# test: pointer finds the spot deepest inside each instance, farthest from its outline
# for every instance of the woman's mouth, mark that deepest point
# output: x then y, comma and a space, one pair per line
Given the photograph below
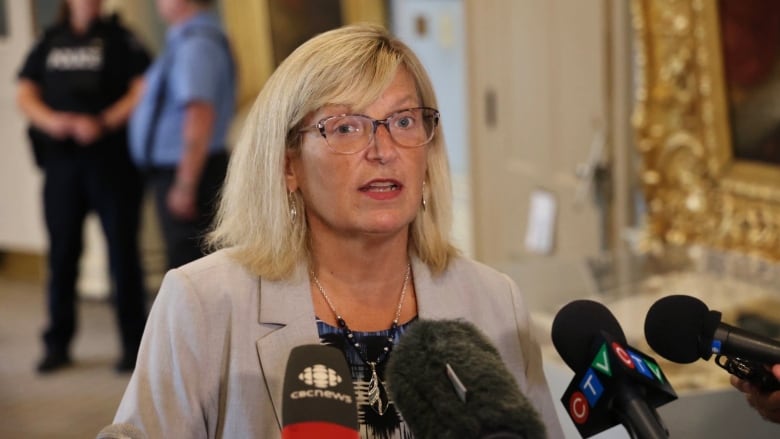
381, 186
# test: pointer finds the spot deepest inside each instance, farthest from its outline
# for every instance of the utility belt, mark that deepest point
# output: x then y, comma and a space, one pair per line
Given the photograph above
46, 149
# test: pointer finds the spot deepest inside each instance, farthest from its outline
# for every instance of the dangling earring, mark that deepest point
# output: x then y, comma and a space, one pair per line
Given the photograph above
293, 209
424, 201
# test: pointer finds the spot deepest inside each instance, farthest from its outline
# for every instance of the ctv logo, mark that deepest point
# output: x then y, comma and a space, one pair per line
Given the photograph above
591, 388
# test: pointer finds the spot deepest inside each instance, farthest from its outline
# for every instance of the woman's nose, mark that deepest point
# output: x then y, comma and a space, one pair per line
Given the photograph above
383, 146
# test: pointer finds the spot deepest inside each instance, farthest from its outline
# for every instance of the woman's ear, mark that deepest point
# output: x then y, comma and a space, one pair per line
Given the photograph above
290, 176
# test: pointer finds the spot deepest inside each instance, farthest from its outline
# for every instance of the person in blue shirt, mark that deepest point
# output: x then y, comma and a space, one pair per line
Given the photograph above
178, 131
77, 88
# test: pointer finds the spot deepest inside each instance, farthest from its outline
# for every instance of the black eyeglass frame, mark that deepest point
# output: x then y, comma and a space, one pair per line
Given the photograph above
320, 126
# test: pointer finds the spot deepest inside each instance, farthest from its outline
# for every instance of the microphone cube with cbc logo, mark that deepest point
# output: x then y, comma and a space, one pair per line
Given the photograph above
615, 366
319, 397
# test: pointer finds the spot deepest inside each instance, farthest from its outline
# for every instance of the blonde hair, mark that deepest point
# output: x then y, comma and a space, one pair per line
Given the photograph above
350, 65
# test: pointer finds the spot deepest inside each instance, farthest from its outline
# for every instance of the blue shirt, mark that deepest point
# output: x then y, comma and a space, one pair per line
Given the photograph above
196, 65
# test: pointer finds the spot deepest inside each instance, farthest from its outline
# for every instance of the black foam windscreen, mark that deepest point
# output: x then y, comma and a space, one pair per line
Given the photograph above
448, 381
319, 397
614, 383
575, 327
680, 328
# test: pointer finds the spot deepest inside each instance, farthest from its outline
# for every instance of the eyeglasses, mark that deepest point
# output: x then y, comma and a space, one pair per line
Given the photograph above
351, 133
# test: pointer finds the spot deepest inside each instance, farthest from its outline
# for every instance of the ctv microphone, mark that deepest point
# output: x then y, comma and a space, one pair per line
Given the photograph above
682, 329
448, 381
120, 431
613, 383
319, 398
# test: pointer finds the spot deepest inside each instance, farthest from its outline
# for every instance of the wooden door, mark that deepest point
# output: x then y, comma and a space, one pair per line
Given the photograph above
539, 120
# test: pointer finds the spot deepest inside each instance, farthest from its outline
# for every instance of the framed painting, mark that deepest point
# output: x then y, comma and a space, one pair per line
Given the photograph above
709, 146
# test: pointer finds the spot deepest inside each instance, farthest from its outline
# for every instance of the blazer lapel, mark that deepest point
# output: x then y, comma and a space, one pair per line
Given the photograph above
286, 316
435, 298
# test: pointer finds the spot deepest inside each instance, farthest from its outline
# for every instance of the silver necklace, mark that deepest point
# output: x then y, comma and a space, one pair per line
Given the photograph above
377, 395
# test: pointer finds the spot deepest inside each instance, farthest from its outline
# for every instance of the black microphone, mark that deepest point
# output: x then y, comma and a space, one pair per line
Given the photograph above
683, 329
319, 397
120, 431
614, 383
448, 381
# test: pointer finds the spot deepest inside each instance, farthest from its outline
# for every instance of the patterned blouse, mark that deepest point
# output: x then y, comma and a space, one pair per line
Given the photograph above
390, 425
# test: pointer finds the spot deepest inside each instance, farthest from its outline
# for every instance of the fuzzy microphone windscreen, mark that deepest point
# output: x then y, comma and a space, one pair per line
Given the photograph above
431, 398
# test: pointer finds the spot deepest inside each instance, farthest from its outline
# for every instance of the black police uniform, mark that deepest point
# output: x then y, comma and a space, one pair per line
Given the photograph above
87, 73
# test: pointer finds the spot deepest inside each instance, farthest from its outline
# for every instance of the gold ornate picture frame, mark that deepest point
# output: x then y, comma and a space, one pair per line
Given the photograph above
696, 191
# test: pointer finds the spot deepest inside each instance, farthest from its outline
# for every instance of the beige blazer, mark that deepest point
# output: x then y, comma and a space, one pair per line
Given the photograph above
215, 348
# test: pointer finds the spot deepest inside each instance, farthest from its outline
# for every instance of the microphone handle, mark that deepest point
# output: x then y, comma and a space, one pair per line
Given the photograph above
740, 343
642, 421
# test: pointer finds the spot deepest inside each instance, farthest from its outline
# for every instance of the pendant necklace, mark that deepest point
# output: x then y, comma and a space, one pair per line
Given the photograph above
377, 398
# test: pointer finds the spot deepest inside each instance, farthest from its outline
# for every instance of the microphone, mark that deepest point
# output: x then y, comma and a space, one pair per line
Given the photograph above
614, 383
448, 381
120, 431
683, 329
318, 399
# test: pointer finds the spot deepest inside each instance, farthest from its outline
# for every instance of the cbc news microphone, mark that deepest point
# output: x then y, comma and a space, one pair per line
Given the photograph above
613, 382
120, 431
319, 398
683, 329
448, 381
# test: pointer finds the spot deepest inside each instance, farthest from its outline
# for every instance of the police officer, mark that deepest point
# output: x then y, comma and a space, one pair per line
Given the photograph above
78, 86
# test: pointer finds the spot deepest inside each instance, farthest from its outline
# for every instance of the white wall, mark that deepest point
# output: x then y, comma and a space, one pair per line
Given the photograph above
21, 219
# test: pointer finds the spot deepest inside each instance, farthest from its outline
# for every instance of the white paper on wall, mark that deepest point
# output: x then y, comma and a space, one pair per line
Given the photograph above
540, 231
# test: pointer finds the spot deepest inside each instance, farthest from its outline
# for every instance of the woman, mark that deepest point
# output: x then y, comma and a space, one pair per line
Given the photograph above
77, 87
334, 222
